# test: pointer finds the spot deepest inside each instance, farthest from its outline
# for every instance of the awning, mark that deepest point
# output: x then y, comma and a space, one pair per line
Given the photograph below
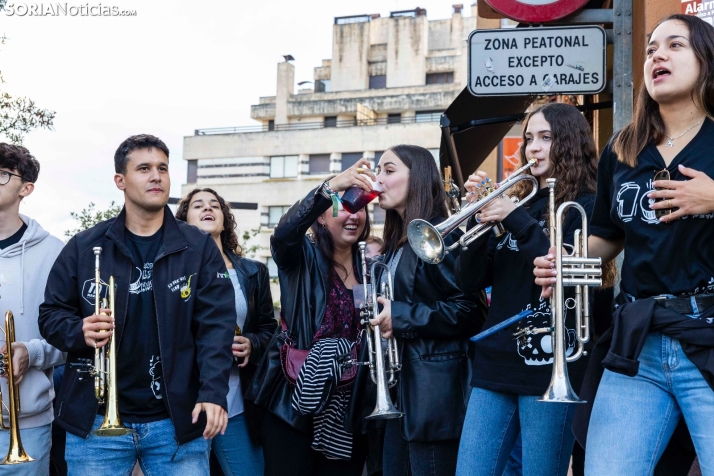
471, 127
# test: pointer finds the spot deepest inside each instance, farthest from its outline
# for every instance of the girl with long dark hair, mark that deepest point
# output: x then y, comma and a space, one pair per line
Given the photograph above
317, 273
655, 200
509, 375
237, 450
431, 319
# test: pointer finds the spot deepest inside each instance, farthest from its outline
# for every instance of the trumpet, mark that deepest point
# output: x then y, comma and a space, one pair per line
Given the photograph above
383, 377
16, 453
105, 365
574, 270
427, 240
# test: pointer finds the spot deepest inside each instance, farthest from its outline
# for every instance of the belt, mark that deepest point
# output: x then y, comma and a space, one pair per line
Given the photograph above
684, 304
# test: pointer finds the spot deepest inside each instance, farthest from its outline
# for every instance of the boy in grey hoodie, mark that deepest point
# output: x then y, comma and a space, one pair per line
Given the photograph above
27, 253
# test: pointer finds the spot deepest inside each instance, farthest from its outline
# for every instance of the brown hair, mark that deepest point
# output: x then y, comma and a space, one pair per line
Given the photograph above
572, 152
647, 124
375, 239
425, 199
229, 238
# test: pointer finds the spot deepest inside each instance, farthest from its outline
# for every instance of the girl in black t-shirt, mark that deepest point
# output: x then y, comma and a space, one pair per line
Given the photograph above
510, 375
655, 200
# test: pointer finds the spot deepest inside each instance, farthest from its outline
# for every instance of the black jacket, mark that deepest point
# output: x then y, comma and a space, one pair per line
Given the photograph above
304, 272
259, 326
432, 321
195, 307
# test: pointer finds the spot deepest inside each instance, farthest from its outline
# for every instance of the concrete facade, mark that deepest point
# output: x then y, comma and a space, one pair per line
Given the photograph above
377, 90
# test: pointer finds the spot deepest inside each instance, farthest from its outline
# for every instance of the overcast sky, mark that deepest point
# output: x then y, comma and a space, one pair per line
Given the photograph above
174, 67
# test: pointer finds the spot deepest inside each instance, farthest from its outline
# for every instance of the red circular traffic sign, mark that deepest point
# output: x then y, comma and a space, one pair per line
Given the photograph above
536, 11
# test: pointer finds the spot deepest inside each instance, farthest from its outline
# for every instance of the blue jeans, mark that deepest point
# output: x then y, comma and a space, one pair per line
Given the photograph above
235, 451
37, 443
493, 422
153, 444
633, 418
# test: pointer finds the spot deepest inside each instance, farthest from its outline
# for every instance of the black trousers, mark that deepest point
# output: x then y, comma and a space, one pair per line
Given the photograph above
403, 458
288, 452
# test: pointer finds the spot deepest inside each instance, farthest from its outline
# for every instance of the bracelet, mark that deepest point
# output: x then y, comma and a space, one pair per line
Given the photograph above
330, 194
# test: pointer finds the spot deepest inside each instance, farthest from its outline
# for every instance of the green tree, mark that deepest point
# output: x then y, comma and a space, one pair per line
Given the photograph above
89, 217
251, 250
20, 115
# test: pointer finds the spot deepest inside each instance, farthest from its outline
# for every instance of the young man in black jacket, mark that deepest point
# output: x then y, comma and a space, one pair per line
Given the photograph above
173, 326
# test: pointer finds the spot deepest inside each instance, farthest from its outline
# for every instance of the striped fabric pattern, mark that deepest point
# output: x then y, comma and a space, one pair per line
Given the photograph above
316, 395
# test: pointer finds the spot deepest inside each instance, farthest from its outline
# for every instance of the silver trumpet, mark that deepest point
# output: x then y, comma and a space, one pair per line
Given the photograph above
427, 240
383, 377
574, 270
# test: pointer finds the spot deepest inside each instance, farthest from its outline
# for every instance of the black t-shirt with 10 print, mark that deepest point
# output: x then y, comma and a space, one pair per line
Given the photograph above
140, 382
660, 258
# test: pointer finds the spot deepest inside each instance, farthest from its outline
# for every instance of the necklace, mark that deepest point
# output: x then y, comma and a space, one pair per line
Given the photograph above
670, 142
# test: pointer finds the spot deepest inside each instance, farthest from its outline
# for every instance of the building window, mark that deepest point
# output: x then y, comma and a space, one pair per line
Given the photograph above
319, 164
322, 86
440, 78
349, 159
394, 118
275, 213
428, 116
284, 166
378, 215
377, 156
192, 171
330, 121
272, 268
378, 82
271, 125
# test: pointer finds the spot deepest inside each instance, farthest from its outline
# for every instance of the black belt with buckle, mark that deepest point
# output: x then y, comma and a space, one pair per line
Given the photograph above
683, 304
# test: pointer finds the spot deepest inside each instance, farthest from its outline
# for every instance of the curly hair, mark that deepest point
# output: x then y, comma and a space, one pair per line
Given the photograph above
229, 238
16, 157
574, 158
573, 154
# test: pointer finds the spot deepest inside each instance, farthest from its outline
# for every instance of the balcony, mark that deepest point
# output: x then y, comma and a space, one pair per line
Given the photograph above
298, 126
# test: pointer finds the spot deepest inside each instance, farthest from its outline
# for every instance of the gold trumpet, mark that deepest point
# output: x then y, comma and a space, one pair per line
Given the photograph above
15, 453
105, 365
427, 240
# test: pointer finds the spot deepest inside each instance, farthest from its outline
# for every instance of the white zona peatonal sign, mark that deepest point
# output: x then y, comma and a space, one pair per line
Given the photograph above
513, 61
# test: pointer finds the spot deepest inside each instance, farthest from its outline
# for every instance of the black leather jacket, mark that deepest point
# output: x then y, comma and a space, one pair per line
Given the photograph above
259, 327
304, 272
260, 322
432, 321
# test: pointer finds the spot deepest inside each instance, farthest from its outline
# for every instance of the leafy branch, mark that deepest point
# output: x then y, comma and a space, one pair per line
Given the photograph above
90, 217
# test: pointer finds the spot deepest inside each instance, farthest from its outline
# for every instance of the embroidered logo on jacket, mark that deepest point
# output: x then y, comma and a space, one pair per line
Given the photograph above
183, 286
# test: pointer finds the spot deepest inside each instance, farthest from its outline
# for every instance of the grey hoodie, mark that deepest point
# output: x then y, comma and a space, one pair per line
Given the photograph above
24, 268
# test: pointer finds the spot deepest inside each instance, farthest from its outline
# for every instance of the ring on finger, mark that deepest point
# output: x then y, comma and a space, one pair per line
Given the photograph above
669, 203
360, 170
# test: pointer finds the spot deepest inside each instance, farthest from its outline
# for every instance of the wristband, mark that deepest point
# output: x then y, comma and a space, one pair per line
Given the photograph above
330, 194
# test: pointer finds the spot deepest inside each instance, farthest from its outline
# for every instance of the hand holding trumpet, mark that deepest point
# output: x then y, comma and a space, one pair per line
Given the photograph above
98, 328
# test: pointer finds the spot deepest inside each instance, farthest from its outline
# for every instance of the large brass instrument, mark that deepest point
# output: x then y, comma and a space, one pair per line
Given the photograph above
105, 366
15, 453
574, 270
381, 376
427, 240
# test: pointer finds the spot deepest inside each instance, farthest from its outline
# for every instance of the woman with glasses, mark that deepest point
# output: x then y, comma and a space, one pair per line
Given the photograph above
655, 200
509, 375
431, 319
237, 450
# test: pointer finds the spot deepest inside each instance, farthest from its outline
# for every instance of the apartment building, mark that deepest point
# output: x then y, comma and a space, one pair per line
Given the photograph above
387, 83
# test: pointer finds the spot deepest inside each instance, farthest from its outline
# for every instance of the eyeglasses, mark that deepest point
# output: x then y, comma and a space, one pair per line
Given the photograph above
661, 175
6, 176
